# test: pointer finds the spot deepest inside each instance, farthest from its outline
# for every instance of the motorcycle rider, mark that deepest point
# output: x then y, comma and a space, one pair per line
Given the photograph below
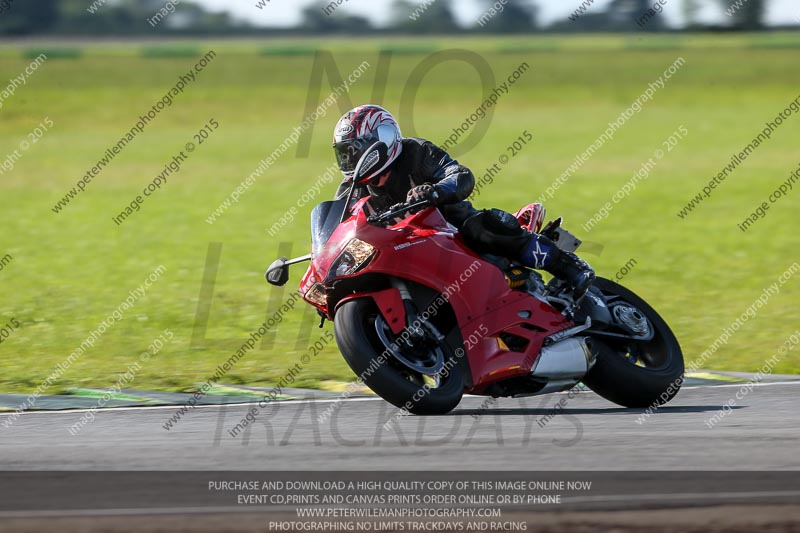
419, 170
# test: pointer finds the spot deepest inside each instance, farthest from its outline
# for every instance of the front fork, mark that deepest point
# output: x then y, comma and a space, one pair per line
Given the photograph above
415, 324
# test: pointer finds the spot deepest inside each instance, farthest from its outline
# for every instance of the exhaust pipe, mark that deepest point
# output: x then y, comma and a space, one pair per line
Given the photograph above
568, 359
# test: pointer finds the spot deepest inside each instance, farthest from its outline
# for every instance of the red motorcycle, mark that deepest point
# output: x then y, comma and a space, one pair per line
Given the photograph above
422, 319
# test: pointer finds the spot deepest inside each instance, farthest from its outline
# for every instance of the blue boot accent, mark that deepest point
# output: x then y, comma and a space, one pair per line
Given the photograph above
542, 254
539, 253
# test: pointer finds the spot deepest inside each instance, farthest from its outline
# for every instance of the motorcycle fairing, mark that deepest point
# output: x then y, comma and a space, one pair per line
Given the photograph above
476, 290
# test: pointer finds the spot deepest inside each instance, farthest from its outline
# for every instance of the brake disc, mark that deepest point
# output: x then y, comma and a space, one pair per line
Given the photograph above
433, 365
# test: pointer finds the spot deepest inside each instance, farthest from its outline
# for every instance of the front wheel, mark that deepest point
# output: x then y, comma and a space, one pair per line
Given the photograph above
635, 373
361, 337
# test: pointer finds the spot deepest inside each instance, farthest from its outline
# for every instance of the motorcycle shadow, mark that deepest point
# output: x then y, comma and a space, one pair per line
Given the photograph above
526, 411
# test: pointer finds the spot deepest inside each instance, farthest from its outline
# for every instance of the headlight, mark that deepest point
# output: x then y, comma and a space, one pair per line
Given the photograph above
356, 254
316, 295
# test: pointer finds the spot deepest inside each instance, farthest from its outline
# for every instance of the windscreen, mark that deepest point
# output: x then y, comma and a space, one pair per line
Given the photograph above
324, 219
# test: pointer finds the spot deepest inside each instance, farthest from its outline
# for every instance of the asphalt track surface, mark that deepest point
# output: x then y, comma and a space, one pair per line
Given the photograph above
761, 432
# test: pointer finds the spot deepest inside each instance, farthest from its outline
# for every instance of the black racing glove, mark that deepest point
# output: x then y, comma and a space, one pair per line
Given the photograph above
425, 192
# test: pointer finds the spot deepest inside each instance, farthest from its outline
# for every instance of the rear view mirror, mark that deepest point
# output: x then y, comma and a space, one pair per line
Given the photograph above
278, 273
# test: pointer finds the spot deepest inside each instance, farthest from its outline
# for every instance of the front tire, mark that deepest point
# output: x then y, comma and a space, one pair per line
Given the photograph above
636, 374
365, 353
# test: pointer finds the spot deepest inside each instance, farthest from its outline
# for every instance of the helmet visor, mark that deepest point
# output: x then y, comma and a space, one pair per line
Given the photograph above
347, 155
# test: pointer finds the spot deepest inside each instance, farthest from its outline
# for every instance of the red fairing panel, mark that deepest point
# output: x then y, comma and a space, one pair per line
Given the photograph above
390, 305
425, 249
478, 292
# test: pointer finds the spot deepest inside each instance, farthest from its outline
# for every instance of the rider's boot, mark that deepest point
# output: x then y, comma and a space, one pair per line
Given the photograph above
542, 253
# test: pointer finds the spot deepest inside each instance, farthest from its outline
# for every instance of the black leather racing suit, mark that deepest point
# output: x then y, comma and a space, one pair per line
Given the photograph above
488, 231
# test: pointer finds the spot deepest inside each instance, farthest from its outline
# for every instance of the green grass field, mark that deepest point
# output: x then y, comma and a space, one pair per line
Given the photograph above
69, 271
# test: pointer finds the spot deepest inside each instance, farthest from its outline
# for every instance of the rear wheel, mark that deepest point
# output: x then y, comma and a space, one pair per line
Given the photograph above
424, 380
635, 372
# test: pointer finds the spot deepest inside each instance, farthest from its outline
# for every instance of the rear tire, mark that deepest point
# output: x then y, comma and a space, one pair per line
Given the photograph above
354, 327
617, 379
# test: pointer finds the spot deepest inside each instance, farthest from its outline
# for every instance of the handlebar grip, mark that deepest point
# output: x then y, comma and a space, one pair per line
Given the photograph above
395, 210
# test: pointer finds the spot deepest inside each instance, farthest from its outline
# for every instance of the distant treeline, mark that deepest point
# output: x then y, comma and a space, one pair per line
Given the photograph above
179, 17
